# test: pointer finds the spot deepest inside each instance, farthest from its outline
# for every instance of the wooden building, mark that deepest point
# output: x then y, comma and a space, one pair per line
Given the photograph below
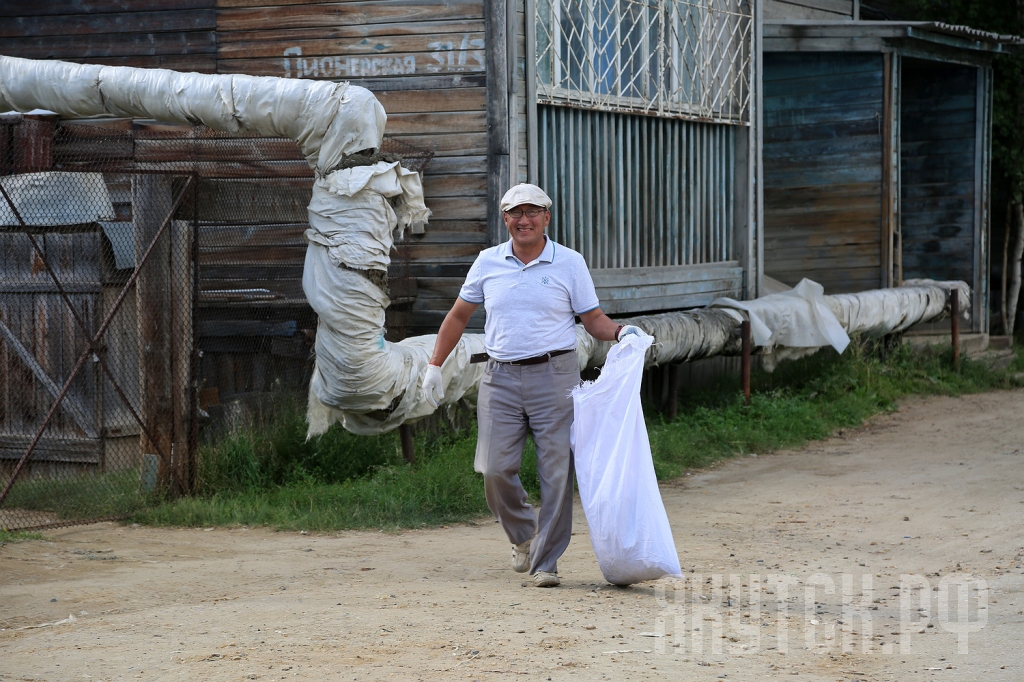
876, 149
637, 119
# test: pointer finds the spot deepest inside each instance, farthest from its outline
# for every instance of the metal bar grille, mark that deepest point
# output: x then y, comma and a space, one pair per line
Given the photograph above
638, 191
677, 58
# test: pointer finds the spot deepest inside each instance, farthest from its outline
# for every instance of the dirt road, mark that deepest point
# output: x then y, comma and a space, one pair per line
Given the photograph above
892, 552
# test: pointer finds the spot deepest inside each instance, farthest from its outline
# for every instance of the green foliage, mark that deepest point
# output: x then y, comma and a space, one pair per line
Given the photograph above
347, 481
81, 497
996, 16
441, 487
808, 399
272, 476
261, 457
17, 536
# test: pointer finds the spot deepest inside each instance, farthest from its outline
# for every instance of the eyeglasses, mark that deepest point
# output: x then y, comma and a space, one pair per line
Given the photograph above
532, 213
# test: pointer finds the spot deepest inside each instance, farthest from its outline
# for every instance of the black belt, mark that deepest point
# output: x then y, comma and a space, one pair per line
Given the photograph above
536, 360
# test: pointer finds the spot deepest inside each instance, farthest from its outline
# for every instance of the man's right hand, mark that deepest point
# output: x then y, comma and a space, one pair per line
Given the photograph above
433, 386
630, 329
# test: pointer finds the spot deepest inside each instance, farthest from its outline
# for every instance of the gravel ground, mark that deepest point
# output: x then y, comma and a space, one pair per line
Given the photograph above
890, 552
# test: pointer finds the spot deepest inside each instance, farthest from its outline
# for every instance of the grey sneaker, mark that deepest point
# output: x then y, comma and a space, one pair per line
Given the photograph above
521, 557
545, 579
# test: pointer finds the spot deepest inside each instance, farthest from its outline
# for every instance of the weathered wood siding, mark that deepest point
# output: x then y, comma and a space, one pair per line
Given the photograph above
809, 9
938, 148
41, 341
520, 117
170, 34
425, 62
823, 123
424, 59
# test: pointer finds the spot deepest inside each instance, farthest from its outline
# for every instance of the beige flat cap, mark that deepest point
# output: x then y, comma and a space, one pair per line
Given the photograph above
525, 193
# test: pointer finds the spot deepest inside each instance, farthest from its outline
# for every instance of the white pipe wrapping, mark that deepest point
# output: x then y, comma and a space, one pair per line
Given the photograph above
368, 384
707, 332
353, 213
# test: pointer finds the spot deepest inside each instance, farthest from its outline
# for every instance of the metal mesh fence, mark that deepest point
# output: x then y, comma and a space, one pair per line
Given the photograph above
150, 292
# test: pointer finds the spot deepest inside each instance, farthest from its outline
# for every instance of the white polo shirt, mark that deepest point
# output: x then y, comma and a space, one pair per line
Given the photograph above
530, 308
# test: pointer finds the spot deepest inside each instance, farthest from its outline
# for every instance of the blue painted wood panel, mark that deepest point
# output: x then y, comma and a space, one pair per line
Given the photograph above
937, 150
823, 115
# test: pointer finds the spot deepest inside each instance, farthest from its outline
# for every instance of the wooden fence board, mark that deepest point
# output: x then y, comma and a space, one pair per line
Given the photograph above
332, 14
473, 208
71, 450
112, 45
356, 67
259, 43
220, 150
434, 123
428, 44
449, 144
433, 101
267, 235
436, 186
811, 149
91, 24
25, 8
254, 255
199, 63
471, 164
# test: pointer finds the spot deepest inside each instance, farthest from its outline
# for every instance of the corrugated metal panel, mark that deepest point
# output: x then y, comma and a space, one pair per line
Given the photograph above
823, 156
638, 191
938, 145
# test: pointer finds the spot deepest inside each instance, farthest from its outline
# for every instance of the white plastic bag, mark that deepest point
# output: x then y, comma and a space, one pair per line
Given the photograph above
628, 525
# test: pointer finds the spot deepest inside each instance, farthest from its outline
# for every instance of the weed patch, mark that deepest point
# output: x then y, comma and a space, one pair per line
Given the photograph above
272, 476
7, 536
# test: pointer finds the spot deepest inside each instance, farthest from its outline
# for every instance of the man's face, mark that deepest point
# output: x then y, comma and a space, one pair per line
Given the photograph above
527, 231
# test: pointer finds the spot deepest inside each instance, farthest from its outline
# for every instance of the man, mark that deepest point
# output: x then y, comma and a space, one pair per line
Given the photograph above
532, 289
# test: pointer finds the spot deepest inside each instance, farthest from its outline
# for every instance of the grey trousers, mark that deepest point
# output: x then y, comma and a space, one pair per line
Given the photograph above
514, 399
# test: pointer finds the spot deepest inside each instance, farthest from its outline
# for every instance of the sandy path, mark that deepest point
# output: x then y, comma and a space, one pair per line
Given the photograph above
933, 493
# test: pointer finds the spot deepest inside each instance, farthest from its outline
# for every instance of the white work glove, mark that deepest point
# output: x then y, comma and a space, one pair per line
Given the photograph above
433, 386
630, 329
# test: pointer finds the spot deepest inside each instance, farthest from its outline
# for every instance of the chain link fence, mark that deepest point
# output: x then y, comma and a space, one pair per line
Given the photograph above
150, 299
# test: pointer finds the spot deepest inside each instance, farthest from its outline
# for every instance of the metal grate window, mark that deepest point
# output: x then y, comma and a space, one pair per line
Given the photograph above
639, 191
689, 58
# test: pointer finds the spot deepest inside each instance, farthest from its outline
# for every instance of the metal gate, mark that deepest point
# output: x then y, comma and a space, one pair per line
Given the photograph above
150, 284
97, 298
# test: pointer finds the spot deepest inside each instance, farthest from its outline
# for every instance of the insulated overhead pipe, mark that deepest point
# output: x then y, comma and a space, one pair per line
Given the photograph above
367, 383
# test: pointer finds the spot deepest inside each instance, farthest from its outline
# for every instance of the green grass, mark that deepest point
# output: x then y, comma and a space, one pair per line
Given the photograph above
809, 399
265, 457
269, 474
81, 497
17, 536
273, 477
440, 488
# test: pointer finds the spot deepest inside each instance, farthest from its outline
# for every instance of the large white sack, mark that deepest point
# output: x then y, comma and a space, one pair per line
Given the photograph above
628, 525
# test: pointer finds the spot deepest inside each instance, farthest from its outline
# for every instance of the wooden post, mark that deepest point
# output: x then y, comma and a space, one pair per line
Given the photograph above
673, 391
182, 297
891, 273
954, 325
408, 450
498, 171
151, 199
33, 143
745, 361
